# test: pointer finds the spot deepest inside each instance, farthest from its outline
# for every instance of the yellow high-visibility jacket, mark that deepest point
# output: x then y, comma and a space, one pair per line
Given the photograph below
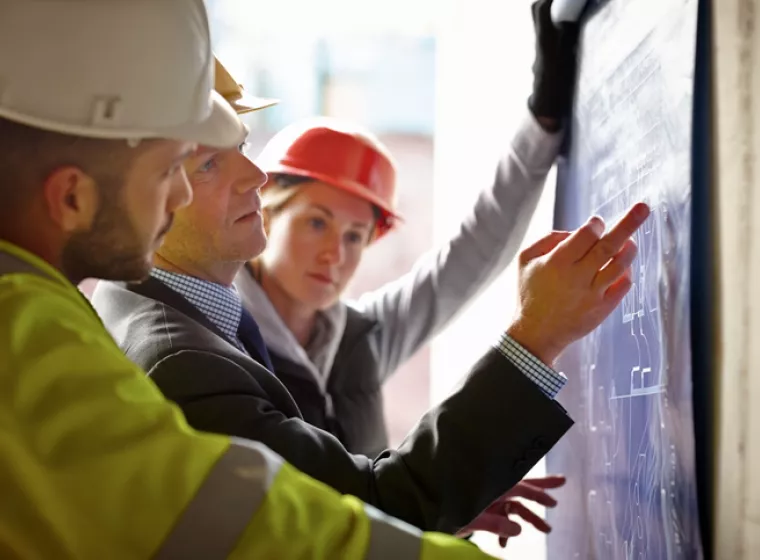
95, 463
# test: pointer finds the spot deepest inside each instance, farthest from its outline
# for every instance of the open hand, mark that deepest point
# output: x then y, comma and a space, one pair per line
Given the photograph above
496, 517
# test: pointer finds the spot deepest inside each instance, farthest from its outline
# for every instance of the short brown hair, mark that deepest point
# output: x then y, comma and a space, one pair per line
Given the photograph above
28, 155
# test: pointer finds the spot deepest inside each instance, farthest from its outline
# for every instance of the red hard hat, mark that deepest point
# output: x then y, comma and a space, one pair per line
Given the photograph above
339, 154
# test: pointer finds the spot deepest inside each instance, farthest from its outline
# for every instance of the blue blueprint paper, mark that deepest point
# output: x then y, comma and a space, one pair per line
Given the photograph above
630, 458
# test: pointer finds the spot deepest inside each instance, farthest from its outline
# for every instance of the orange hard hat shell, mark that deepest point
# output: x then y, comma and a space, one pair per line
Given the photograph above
340, 155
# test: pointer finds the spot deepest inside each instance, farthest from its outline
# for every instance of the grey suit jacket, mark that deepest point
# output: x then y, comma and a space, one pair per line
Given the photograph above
462, 455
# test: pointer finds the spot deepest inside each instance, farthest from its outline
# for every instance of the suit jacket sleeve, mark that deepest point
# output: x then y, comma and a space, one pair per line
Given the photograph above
463, 454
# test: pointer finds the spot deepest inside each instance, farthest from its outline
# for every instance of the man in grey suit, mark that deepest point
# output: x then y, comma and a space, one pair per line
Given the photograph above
186, 327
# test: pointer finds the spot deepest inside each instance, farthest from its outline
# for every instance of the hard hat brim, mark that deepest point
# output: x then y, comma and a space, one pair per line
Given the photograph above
248, 103
221, 129
352, 187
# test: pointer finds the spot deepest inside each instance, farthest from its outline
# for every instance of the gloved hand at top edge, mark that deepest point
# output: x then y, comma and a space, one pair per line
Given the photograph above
555, 63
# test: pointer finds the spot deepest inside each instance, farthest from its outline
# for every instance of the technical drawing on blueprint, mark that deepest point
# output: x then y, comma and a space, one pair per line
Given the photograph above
630, 458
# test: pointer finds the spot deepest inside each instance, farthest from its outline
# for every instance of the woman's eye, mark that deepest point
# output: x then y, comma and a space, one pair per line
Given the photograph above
355, 237
317, 223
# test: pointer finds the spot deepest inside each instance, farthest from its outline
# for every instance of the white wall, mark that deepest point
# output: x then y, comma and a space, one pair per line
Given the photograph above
332, 17
736, 154
485, 52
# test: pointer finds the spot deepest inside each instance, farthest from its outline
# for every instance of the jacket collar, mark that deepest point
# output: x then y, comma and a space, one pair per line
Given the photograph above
281, 341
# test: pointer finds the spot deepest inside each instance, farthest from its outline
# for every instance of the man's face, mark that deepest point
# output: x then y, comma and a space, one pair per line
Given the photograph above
134, 214
223, 224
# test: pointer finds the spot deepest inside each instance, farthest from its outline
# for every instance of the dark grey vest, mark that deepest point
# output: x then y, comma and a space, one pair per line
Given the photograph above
352, 408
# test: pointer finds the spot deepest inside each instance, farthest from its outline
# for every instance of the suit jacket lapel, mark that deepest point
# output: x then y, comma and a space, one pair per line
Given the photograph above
254, 353
157, 290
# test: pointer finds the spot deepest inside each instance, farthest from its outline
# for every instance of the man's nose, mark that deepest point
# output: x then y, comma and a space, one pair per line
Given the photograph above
254, 178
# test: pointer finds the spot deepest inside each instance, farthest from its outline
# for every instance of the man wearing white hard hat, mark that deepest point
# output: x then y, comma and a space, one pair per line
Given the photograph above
100, 104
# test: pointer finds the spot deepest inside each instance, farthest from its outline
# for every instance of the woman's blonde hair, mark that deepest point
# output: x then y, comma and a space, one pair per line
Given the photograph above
281, 188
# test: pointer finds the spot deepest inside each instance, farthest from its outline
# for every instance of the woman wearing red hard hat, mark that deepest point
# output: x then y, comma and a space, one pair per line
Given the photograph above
331, 192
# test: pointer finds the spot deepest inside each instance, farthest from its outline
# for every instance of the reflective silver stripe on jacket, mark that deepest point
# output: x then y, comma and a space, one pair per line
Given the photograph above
391, 538
213, 523
220, 512
215, 520
11, 264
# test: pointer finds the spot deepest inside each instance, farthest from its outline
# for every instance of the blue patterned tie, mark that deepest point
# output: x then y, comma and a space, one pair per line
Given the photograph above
250, 335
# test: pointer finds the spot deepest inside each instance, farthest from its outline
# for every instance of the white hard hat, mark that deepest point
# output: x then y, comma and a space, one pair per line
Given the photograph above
113, 69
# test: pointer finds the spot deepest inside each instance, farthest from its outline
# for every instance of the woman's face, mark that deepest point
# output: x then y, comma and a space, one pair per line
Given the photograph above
316, 241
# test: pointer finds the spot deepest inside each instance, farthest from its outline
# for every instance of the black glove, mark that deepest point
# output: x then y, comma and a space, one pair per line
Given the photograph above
555, 64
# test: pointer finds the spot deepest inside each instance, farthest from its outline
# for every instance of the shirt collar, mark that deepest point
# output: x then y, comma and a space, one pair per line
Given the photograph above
220, 304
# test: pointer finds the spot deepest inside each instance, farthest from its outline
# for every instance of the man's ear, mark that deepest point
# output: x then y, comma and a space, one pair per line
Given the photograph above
72, 199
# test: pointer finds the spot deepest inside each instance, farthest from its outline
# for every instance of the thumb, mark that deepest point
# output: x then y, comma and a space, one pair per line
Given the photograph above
543, 246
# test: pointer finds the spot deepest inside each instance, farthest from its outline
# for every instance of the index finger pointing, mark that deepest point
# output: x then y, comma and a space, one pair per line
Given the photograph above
611, 242
581, 241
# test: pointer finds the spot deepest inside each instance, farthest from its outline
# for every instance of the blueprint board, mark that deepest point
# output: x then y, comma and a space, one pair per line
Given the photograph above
629, 459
